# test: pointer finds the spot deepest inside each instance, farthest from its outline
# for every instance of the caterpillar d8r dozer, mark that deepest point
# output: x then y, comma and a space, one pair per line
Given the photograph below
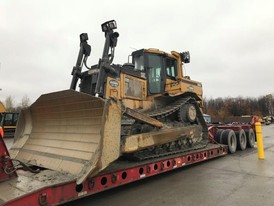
141, 110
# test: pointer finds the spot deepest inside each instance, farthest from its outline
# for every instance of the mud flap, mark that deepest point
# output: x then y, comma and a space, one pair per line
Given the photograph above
70, 132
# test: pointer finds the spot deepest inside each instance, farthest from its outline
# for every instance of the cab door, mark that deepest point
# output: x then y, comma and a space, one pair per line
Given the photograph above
171, 70
155, 74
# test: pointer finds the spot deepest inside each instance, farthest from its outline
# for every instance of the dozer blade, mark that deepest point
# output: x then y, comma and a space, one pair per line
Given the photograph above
69, 131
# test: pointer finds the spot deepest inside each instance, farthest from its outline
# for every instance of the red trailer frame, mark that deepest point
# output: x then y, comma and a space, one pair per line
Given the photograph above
52, 188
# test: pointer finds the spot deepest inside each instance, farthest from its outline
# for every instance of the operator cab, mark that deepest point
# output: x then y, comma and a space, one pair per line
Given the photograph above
158, 67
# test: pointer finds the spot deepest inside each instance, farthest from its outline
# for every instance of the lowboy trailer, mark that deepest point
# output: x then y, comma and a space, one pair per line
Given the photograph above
20, 184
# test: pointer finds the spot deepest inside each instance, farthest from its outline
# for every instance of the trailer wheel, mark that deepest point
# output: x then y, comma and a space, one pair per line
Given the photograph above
250, 138
218, 136
229, 138
241, 139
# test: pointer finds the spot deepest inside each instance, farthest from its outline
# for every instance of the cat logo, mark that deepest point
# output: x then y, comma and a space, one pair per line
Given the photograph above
113, 83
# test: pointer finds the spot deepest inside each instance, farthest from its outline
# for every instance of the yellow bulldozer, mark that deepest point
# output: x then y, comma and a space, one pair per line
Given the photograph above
143, 109
8, 122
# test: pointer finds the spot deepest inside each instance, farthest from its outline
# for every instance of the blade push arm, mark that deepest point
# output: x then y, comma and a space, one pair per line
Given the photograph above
108, 55
83, 54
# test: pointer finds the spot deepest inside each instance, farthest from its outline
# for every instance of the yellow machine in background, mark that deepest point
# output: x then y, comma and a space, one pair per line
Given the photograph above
8, 121
2, 108
143, 109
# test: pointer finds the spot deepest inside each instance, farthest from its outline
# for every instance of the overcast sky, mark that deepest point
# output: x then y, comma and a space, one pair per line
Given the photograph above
231, 43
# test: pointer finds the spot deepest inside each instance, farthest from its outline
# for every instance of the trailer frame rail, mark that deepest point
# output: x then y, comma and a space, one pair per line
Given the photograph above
120, 172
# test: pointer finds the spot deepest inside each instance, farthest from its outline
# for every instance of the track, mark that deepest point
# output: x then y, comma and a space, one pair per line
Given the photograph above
184, 143
166, 111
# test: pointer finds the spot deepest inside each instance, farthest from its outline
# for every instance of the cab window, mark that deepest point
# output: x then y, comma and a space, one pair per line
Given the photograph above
171, 68
11, 119
154, 73
8, 120
139, 62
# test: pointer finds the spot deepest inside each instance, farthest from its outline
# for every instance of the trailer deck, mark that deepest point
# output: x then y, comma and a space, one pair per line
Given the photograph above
52, 188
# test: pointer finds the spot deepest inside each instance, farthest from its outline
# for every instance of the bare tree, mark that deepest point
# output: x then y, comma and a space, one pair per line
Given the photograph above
25, 102
269, 100
9, 103
229, 107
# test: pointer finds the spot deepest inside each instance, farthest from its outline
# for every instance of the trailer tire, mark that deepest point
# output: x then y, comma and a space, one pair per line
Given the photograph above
229, 138
250, 135
218, 136
241, 139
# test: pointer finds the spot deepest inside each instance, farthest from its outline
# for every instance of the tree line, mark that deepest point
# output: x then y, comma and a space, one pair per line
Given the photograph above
11, 106
239, 106
219, 107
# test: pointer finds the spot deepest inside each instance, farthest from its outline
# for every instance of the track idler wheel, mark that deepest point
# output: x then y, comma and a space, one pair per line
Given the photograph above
187, 113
